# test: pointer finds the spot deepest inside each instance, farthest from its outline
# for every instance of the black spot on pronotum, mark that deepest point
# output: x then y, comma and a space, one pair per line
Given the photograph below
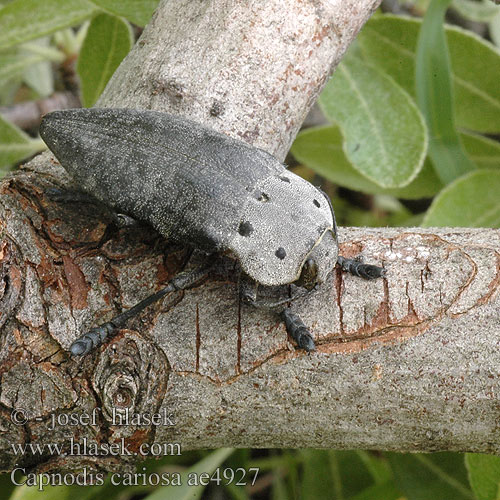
280, 253
262, 196
316, 202
283, 178
245, 228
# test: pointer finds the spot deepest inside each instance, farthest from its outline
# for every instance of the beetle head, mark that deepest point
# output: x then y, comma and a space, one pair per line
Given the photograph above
319, 262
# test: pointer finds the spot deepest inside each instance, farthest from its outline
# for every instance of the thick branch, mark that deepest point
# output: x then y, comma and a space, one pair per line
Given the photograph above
249, 69
406, 363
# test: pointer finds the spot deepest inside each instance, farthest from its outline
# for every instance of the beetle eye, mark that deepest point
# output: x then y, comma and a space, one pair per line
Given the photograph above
309, 274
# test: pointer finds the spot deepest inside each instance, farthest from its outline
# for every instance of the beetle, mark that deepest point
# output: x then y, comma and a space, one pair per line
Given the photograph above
206, 190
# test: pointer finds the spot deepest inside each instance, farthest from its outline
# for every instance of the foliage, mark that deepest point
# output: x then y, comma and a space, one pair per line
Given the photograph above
26, 55
412, 115
371, 148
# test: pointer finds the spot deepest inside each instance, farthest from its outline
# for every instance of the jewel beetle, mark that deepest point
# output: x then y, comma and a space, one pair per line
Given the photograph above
206, 190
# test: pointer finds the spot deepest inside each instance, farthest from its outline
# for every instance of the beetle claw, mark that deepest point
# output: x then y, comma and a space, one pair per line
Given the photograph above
92, 339
298, 330
357, 268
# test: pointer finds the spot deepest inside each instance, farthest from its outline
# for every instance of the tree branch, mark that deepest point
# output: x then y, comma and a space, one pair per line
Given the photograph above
409, 362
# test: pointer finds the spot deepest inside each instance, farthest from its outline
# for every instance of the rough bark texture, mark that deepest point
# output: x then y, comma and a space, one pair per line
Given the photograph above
409, 362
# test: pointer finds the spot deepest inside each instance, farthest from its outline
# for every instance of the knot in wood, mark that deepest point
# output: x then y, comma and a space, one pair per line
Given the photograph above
131, 377
120, 391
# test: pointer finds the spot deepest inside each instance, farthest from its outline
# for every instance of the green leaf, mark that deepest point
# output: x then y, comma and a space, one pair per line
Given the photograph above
318, 481
320, 148
494, 29
137, 11
434, 95
278, 491
332, 474
40, 76
8, 90
15, 145
23, 20
385, 136
379, 469
430, 476
484, 475
477, 87
13, 64
481, 12
389, 42
470, 201
484, 152
186, 492
350, 471
382, 491
108, 41
56, 492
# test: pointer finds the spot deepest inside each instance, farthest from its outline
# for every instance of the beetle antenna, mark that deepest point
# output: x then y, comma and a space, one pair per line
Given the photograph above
96, 336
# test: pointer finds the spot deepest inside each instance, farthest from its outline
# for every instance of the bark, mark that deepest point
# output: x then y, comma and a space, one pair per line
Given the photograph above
409, 362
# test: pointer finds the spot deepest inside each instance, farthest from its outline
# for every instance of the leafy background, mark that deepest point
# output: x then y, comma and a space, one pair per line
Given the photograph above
406, 134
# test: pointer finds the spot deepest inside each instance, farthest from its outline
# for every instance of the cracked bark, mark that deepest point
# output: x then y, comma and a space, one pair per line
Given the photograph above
409, 362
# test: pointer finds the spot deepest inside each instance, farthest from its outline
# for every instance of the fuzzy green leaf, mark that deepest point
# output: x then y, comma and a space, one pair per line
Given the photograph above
470, 201
15, 145
320, 148
108, 41
137, 11
481, 12
385, 136
390, 42
23, 20
434, 95
40, 77
13, 64
484, 475
484, 152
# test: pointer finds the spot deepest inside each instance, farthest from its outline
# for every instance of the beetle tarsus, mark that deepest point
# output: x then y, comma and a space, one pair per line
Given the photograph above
92, 339
298, 330
247, 289
96, 336
357, 268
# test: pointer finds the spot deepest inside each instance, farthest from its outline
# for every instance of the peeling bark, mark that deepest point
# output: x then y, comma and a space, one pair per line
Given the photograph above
409, 362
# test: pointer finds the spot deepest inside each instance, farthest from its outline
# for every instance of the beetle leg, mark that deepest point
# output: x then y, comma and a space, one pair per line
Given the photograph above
294, 325
247, 289
76, 196
96, 336
357, 268
65, 195
298, 330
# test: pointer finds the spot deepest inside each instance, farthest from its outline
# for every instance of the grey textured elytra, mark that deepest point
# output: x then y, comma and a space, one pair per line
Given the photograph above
208, 191
198, 187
